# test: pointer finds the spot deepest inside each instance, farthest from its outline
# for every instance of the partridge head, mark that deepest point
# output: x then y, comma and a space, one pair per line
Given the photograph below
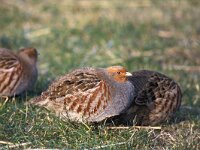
118, 73
88, 94
18, 71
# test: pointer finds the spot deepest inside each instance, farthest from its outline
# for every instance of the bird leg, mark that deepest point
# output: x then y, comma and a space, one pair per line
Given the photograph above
6, 99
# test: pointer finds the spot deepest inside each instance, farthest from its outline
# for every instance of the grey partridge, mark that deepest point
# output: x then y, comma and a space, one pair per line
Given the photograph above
18, 72
88, 94
156, 99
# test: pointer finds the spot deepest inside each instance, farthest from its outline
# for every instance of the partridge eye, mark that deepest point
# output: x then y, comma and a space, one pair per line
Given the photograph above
118, 72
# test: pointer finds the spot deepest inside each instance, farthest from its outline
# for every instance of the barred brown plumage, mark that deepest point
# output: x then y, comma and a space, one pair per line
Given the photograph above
88, 94
157, 97
18, 72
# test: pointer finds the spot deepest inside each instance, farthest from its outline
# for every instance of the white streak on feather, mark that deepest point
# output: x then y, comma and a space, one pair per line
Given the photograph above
5, 83
95, 101
7, 70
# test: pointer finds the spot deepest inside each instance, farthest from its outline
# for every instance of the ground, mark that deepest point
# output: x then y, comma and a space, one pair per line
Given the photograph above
150, 34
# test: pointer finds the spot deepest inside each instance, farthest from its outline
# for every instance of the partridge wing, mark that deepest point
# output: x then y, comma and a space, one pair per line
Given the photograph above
81, 93
7, 60
10, 71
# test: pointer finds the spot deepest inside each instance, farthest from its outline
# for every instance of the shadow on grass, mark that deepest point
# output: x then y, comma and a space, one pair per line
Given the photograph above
185, 113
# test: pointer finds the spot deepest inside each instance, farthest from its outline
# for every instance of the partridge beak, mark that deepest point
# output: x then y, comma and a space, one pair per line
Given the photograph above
128, 74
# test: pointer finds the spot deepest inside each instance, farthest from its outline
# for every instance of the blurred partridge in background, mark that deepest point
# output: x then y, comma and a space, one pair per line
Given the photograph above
18, 71
88, 94
157, 97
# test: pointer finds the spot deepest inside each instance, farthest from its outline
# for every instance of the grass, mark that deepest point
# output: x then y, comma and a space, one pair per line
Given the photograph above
151, 34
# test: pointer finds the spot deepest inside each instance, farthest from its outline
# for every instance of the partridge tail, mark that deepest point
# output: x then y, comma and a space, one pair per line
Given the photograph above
37, 101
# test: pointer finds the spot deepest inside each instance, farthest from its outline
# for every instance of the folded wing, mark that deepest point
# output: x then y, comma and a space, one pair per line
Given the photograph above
79, 95
10, 72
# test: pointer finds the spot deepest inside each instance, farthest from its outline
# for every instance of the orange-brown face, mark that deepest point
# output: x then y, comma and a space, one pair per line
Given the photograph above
119, 73
30, 52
